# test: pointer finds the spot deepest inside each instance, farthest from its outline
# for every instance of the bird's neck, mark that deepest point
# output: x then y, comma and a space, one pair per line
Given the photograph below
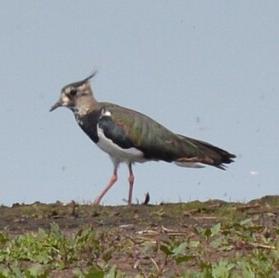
84, 106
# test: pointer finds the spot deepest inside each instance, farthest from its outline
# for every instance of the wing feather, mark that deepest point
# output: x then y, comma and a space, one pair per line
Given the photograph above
129, 128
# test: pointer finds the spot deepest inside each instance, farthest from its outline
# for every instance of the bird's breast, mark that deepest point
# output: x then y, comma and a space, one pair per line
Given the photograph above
88, 124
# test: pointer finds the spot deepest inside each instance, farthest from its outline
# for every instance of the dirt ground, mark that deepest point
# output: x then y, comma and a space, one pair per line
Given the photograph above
143, 225
21, 218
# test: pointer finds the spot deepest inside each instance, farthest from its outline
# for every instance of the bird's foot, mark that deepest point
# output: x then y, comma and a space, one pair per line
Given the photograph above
97, 202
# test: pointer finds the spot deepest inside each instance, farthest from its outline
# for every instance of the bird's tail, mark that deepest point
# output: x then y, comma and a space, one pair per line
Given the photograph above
206, 154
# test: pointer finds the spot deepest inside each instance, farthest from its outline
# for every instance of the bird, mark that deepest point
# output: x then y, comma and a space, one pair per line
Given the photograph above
129, 136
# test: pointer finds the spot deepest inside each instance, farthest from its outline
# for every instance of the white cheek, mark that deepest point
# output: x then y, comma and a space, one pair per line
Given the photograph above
65, 100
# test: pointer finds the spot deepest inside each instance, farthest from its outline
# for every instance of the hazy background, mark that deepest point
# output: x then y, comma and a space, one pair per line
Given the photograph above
206, 69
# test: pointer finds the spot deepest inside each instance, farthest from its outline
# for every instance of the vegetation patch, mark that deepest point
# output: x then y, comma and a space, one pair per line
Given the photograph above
197, 239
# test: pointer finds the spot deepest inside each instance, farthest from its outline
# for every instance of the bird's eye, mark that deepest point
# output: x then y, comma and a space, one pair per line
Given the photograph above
73, 92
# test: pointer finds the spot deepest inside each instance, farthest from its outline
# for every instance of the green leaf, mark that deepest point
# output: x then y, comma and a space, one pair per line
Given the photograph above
182, 259
77, 272
112, 273
215, 229
95, 272
180, 249
36, 270
246, 269
207, 232
247, 222
166, 249
3, 238
218, 242
222, 269
194, 243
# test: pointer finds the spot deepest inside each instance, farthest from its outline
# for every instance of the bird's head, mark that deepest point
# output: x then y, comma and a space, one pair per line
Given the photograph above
76, 96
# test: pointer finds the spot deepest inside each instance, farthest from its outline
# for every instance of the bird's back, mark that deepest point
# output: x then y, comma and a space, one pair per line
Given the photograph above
131, 129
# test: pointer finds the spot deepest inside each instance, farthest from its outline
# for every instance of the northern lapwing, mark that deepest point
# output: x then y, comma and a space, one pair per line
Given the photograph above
129, 136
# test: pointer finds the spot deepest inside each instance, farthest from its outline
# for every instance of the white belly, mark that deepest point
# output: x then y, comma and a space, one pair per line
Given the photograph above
122, 155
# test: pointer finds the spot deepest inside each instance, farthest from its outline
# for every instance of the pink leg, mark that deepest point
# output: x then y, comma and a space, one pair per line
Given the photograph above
107, 188
131, 183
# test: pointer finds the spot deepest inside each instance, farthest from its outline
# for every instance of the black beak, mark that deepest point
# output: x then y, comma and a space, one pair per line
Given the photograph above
56, 105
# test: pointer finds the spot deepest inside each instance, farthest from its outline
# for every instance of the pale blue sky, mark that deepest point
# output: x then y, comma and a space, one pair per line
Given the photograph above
206, 69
